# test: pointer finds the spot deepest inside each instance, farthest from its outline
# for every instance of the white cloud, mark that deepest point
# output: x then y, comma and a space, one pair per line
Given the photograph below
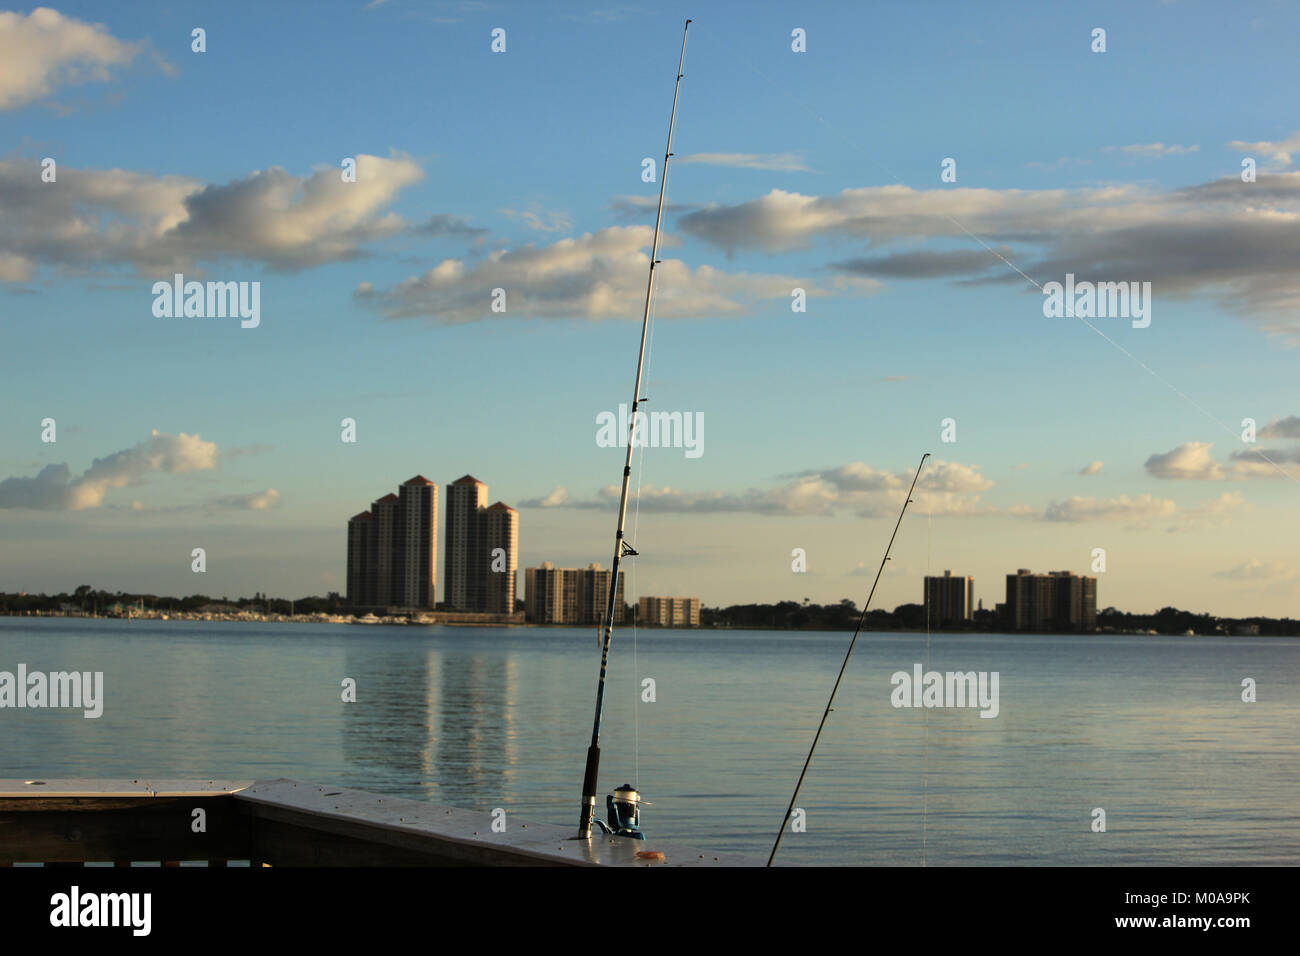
1278, 151
1189, 461
54, 488
105, 218
541, 220
556, 499
295, 221
1192, 461
258, 501
782, 220
777, 162
597, 275
946, 488
45, 50
1141, 509
1236, 242
1092, 468
1153, 150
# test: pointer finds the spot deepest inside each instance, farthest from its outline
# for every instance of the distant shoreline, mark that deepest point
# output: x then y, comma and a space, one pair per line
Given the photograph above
251, 617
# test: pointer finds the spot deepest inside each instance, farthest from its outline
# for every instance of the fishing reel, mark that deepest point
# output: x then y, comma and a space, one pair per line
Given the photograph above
624, 807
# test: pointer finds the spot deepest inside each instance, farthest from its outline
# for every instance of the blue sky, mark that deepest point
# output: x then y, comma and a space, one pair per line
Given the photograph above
522, 170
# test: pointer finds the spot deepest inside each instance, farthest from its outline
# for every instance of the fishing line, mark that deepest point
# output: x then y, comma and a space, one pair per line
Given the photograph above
925, 711
858, 630
591, 770
897, 180
636, 523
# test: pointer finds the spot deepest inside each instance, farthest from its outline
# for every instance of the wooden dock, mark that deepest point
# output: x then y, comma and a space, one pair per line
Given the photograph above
288, 823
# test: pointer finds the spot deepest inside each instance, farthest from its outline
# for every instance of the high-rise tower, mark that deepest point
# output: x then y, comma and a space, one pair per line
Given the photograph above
466, 497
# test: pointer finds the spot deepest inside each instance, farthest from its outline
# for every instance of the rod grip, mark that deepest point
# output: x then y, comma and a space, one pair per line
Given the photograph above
593, 771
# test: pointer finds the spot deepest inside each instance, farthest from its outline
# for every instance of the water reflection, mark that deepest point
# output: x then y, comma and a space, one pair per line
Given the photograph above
442, 723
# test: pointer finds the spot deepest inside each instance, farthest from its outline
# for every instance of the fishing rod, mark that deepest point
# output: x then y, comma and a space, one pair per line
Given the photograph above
861, 620
621, 548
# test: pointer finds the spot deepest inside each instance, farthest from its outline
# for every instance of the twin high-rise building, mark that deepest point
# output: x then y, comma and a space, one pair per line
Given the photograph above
570, 595
393, 550
482, 550
1056, 601
948, 599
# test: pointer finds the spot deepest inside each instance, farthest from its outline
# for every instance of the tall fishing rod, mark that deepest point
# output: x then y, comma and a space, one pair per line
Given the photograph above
620, 547
861, 620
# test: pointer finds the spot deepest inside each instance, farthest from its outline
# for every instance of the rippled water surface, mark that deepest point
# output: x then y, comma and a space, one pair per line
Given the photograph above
1151, 729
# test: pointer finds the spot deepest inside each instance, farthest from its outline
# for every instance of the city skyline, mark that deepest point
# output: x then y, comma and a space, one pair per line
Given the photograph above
1052, 437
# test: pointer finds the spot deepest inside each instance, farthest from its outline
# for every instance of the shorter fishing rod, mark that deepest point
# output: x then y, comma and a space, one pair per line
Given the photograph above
862, 619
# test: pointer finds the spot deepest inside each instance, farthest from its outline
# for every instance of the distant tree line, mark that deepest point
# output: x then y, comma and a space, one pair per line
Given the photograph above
90, 601
1171, 620
792, 615
784, 615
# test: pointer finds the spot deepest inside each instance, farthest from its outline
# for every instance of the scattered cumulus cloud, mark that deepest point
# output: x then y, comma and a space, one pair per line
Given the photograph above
945, 488
1192, 461
775, 162
1232, 241
54, 488
1092, 468
556, 499
1278, 152
598, 275
163, 224
45, 50
258, 501
1154, 150
1264, 460
1288, 427
1139, 510
541, 220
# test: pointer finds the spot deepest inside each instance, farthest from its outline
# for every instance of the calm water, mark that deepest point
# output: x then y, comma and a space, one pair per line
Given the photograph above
1151, 729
